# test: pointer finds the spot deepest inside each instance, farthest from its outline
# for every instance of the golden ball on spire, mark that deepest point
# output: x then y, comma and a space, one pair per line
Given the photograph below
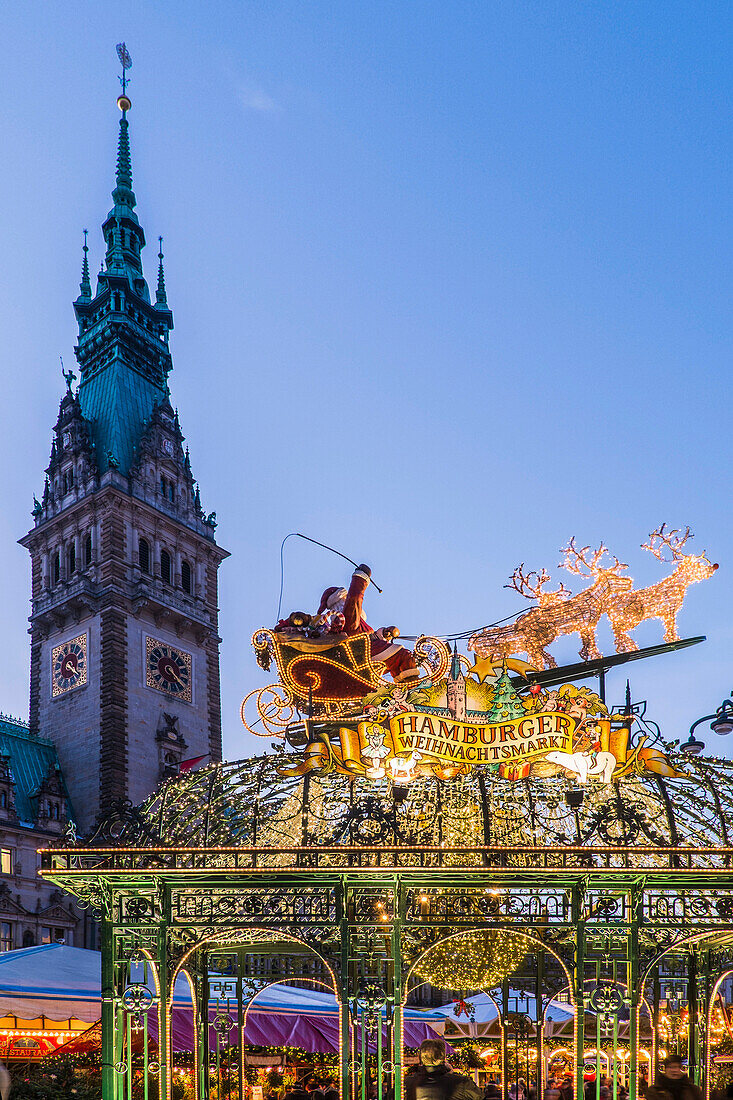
124, 103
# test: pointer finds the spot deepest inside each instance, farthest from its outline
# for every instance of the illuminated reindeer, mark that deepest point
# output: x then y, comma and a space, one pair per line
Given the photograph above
664, 599
559, 612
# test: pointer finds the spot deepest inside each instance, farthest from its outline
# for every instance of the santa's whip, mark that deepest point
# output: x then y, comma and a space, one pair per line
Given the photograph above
297, 534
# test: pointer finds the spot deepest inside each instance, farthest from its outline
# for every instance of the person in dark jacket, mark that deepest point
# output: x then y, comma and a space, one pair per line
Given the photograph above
297, 1092
673, 1083
435, 1080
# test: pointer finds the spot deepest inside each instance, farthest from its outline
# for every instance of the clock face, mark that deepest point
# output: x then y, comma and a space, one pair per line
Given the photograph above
69, 665
168, 669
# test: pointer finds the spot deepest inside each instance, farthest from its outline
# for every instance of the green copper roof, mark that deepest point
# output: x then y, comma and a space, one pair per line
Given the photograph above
118, 401
31, 761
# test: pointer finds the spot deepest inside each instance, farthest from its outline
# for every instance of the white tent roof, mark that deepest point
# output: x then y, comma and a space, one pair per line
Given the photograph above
485, 1009
53, 980
486, 1014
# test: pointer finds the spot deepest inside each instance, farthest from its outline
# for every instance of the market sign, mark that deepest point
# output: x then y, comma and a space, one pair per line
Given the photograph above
563, 731
397, 746
478, 743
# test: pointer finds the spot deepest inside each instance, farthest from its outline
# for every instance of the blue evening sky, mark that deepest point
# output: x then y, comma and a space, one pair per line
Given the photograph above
451, 283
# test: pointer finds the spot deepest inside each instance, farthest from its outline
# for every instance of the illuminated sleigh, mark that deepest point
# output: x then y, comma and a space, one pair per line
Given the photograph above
326, 677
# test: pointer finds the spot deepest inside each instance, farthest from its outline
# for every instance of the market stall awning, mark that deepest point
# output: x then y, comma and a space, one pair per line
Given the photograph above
53, 980
285, 1015
60, 982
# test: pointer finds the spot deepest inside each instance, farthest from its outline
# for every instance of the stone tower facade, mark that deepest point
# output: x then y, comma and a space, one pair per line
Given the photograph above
456, 689
124, 562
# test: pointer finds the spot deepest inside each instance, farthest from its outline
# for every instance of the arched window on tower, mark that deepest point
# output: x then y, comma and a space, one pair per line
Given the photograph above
186, 577
143, 555
71, 559
57, 567
165, 566
88, 550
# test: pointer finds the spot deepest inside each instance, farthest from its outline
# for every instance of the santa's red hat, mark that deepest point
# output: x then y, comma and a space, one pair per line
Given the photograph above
330, 598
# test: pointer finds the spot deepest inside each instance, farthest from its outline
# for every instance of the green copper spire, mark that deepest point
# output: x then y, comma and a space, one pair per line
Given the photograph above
123, 194
160, 298
124, 160
123, 234
122, 350
85, 286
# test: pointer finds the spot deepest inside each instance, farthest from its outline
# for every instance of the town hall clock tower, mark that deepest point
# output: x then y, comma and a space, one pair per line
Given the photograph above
124, 562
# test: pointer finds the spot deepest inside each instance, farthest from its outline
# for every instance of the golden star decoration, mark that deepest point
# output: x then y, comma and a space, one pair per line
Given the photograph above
484, 668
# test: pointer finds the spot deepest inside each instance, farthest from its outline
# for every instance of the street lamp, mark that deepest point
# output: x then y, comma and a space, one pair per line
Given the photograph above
692, 747
721, 722
574, 797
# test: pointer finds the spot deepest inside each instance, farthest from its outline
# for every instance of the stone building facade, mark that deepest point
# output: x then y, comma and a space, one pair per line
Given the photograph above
34, 813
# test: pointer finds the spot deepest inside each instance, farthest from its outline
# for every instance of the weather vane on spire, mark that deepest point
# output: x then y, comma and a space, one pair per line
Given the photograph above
123, 53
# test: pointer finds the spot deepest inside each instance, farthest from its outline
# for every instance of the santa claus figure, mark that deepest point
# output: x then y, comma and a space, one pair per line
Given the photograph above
345, 607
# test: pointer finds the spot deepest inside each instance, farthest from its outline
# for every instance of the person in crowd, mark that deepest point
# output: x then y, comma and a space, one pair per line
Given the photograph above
589, 1090
329, 1089
296, 1092
434, 1080
673, 1083
567, 1091
314, 1089
491, 1091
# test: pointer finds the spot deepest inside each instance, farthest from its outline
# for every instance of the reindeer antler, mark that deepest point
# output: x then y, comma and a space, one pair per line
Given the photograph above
673, 539
584, 562
523, 583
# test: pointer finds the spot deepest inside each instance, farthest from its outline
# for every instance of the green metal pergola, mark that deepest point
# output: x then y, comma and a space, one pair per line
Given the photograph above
236, 877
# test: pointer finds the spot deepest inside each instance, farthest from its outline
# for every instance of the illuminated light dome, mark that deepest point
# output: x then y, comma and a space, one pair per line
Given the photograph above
248, 803
473, 960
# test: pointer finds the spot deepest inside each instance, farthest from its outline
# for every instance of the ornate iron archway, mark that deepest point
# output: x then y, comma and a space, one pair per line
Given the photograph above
626, 895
